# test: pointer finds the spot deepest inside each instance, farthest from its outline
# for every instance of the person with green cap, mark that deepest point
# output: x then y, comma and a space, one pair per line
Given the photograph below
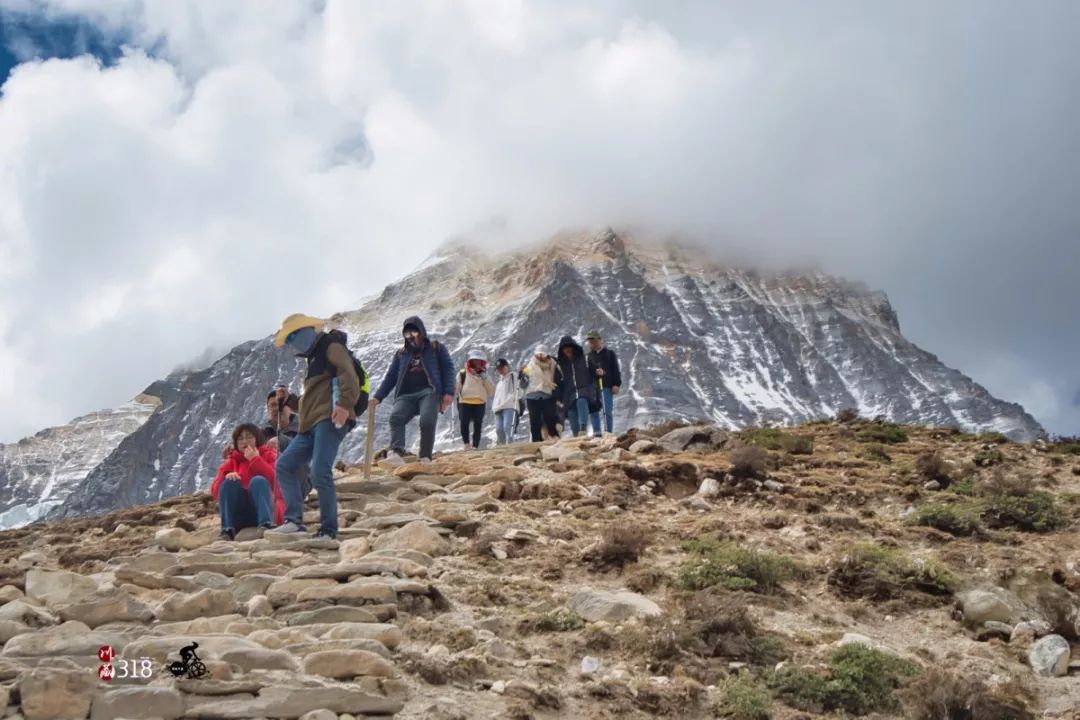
327, 413
605, 365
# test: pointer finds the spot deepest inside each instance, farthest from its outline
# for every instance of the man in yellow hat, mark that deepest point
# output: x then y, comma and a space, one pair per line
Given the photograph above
327, 412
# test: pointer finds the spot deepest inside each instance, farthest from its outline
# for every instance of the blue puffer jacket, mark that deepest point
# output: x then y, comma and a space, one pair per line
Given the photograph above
437, 362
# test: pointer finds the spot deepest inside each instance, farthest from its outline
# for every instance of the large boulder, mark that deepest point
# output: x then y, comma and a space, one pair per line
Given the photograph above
119, 607
344, 664
416, 535
989, 605
594, 605
695, 438
70, 638
291, 702
137, 703
22, 612
58, 587
53, 694
205, 603
386, 633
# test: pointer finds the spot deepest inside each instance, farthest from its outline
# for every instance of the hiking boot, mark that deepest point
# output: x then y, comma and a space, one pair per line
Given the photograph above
323, 541
393, 458
227, 534
287, 529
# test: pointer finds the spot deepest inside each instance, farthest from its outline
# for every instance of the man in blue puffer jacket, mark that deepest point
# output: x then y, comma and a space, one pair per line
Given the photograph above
421, 375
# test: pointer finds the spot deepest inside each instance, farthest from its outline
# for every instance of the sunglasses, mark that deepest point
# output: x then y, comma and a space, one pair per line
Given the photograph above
291, 336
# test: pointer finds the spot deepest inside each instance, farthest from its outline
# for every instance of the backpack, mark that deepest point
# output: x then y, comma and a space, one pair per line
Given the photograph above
319, 358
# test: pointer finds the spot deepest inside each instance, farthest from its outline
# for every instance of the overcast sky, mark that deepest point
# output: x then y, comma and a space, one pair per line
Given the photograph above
208, 167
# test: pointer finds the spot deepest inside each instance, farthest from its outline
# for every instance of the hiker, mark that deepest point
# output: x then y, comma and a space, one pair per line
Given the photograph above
505, 402
333, 394
542, 377
281, 408
421, 376
284, 422
579, 395
245, 489
605, 365
472, 389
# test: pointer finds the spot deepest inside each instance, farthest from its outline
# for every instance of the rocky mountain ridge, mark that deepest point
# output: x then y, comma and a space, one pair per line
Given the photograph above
697, 340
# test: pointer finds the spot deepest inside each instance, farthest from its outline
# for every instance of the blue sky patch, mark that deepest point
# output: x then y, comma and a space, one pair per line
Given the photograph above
30, 36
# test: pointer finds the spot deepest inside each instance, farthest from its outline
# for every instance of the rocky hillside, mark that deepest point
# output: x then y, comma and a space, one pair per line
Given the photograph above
39, 472
698, 340
834, 569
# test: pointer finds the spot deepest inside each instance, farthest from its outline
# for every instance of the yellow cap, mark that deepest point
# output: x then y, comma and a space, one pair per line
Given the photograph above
294, 322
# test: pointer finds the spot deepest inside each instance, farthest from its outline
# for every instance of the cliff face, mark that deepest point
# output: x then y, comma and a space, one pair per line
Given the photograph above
696, 339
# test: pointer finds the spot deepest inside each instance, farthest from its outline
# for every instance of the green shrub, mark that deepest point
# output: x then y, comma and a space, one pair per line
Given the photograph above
734, 567
1065, 445
875, 451
774, 439
941, 694
748, 461
847, 415
930, 465
860, 680
1035, 512
556, 621
959, 519
991, 437
744, 698
888, 433
988, 457
877, 573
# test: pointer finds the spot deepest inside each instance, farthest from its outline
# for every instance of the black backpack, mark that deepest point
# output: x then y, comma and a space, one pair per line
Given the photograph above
319, 364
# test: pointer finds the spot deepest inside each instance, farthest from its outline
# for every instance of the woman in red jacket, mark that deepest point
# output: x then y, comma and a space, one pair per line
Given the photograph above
245, 488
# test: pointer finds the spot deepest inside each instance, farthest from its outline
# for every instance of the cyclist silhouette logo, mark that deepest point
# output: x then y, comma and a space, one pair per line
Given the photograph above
189, 665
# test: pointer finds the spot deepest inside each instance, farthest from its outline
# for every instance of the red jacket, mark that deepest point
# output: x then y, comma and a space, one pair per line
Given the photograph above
261, 465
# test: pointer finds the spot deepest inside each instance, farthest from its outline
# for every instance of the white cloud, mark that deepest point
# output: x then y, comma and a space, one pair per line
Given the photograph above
334, 145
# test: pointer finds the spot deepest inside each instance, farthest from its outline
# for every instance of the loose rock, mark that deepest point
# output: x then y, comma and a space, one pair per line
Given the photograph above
596, 605
1049, 656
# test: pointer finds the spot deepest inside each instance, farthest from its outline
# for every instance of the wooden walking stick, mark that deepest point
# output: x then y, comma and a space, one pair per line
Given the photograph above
369, 443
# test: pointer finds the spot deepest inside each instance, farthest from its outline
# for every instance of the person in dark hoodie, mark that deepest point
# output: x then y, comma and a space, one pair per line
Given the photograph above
578, 388
327, 412
421, 376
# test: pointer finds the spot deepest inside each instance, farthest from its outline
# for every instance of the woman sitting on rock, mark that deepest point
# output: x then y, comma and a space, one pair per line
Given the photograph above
247, 494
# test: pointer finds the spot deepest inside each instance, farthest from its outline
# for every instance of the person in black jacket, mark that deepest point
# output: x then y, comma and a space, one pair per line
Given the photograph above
578, 387
605, 365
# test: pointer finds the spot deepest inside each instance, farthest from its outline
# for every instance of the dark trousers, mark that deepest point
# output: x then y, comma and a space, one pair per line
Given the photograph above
542, 413
242, 508
471, 415
425, 404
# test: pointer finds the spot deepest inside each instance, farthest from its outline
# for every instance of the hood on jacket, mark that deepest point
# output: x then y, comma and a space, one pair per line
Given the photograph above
414, 320
568, 341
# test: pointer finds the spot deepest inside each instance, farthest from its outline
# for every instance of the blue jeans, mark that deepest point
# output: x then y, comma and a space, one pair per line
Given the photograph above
242, 508
504, 426
317, 447
578, 414
609, 413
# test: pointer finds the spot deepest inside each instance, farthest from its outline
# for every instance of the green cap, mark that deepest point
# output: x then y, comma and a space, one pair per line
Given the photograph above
593, 335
